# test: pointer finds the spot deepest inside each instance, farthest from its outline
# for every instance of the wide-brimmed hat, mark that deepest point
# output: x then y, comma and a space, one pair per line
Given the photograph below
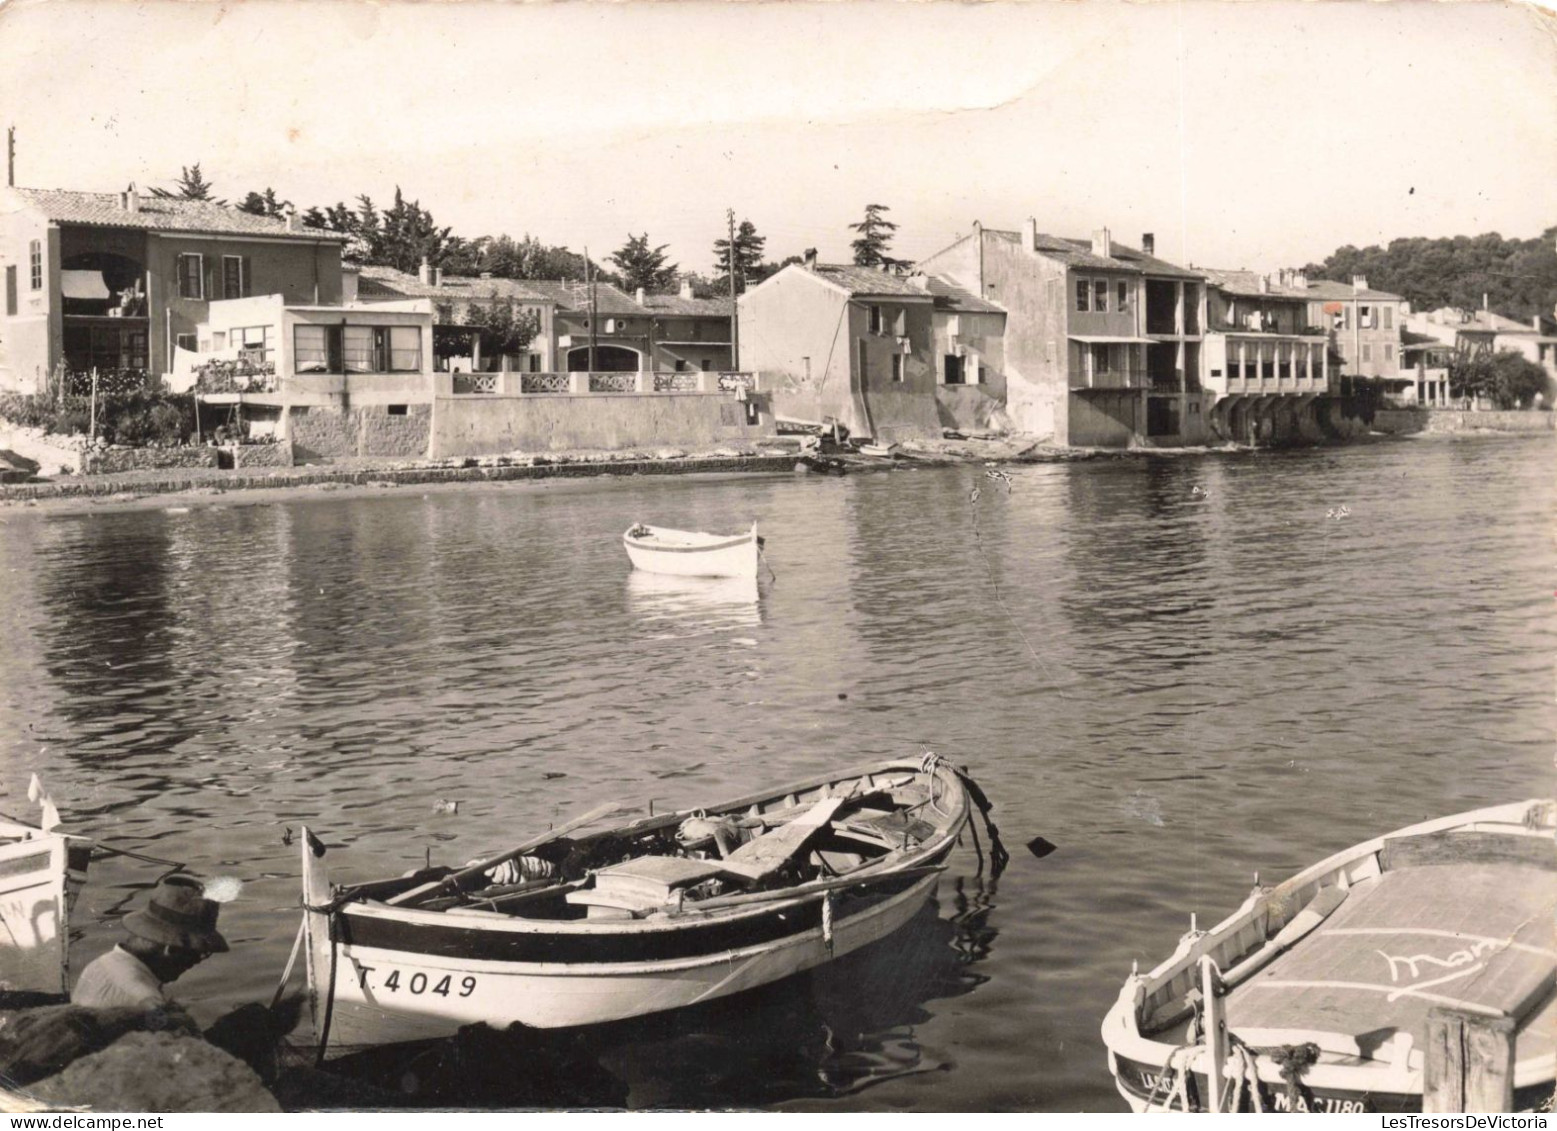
179, 915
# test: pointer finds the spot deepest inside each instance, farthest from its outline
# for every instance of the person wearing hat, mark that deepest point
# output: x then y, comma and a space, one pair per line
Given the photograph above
174, 934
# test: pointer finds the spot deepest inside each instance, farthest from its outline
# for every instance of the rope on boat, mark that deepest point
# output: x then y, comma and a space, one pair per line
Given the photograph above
763, 558
998, 856
286, 975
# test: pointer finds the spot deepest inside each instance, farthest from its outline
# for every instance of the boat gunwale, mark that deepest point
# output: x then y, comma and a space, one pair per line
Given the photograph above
726, 541
691, 917
1121, 1028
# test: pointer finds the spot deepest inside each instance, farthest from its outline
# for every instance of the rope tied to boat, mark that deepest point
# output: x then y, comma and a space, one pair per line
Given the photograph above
998, 856
1294, 1062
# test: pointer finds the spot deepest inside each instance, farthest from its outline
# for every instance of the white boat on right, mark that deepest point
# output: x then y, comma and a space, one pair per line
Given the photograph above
1315, 995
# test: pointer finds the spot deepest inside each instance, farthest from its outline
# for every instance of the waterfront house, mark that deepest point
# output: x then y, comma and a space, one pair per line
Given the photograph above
688, 333
453, 297
1364, 328
347, 379
1102, 342
842, 343
1424, 367
1265, 364
968, 345
117, 281
1473, 332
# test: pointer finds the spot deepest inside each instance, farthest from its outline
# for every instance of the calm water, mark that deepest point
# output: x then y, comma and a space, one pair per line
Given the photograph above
1175, 689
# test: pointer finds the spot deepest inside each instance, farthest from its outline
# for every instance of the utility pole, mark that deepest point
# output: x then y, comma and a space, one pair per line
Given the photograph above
735, 322
594, 306
10, 156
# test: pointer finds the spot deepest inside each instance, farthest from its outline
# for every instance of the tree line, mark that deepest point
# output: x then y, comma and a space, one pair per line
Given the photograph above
404, 234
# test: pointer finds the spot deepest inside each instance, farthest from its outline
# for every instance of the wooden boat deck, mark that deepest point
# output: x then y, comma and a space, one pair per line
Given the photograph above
1475, 935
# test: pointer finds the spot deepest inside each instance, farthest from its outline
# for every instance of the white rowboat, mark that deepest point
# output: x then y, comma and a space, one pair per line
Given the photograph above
687, 553
636, 919
1349, 956
41, 871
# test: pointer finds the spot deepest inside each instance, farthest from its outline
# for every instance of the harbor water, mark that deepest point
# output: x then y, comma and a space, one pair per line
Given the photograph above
1176, 671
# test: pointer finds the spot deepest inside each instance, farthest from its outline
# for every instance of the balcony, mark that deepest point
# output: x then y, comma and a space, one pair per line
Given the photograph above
580, 383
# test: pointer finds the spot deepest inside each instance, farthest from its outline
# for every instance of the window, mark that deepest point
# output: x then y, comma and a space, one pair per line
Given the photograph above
235, 276
1124, 297
1389, 350
405, 349
1389, 317
1367, 352
900, 323
681, 365
953, 369
875, 320
897, 367
10, 290
35, 259
1365, 318
316, 349
191, 276
254, 341
1083, 295
1100, 296
357, 350
395, 409
1100, 359
189, 342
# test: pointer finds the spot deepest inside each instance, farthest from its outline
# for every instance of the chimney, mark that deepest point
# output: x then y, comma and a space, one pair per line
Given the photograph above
294, 223
437, 276
1102, 244
1264, 284
1359, 283
1148, 243
808, 258
686, 288
1484, 305
349, 277
921, 282
129, 199
1299, 280
638, 296
1030, 234
424, 273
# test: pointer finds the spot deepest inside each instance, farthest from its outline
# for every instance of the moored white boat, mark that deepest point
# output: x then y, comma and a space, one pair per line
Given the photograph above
41, 871
688, 553
658, 914
1348, 957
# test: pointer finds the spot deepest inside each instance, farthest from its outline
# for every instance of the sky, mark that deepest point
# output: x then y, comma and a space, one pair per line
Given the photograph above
1258, 134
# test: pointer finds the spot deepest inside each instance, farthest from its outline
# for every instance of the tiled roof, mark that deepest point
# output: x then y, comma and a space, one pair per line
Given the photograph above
1413, 341
950, 296
1078, 253
164, 214
868, 281
688, 307
573, 298
387, 282
1246, 284
1329, 289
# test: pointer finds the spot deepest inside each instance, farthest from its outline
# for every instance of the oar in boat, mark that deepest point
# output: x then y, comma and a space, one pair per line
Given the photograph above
812, 888
1317, 911
453, 881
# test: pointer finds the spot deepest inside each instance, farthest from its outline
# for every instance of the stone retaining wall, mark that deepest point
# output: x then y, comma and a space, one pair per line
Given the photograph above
1406, 421
110, 460
325, 433
261, 455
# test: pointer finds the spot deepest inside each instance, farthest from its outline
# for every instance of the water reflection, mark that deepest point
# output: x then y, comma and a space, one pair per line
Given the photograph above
690, 606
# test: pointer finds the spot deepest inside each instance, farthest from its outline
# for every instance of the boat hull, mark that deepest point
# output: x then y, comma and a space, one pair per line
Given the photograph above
386, 973
1149, 1066
735, 556
388, 996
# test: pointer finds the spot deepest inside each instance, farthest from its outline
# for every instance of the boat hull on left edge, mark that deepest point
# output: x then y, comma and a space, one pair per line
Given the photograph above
41, 872
382, 973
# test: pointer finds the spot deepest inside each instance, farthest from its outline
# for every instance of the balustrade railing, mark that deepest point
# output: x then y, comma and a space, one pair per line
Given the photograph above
244, 375
583, 383
613, 382
78, 382
544, 383
475, 383
677, 382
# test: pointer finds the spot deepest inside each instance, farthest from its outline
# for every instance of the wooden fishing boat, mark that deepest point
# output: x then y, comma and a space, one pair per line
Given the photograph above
1348, 957
662, 912
41, 872
688, 553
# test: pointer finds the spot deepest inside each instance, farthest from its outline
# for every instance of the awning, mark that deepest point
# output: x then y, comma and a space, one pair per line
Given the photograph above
1104, 339
83, 284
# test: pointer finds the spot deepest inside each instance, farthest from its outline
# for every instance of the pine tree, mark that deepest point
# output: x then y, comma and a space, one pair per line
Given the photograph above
265, 204
749, 269
643, 266
192, 185
875, 237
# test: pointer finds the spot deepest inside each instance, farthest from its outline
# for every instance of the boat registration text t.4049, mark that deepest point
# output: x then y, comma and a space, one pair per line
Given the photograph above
393, 980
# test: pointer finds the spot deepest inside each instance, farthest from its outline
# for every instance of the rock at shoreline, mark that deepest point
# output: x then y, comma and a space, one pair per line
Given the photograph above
35, 1043
159, 1072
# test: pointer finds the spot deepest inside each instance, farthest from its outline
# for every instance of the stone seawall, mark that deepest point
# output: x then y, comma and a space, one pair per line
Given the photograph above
111, 460
386, 477
1408, 421
325, 433
260, 455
